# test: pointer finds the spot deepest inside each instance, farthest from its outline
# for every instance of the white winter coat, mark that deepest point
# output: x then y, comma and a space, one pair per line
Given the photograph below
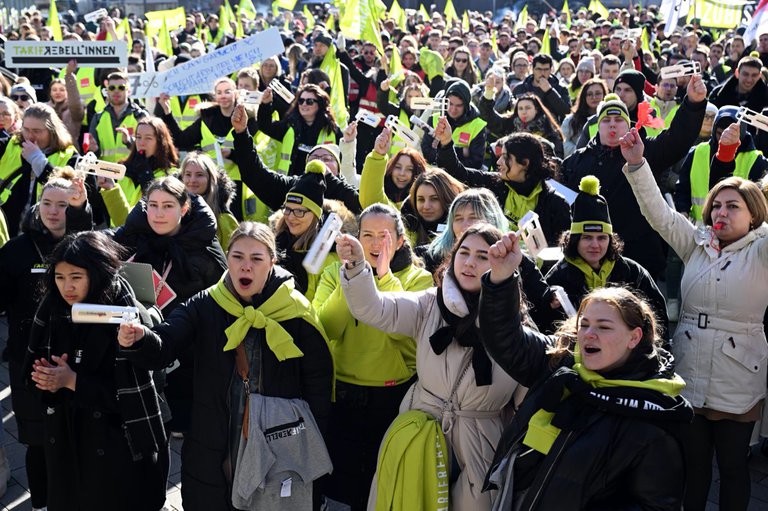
473, 426
724, 364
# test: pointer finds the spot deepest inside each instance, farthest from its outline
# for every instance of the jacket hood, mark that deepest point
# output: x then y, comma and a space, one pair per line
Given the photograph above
460, 89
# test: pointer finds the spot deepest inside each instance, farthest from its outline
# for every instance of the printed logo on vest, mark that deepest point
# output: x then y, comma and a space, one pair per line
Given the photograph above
464, 137
85, 82
192, 102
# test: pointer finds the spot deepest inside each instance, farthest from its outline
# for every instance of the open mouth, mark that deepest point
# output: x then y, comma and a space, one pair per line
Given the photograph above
468, 275
591, 350
244, 282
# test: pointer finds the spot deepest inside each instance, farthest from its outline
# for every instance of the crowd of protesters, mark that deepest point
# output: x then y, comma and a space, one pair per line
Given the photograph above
436, 358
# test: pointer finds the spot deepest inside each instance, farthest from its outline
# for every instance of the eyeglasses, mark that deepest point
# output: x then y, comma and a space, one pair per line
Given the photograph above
19, 97
6, 114
308, 101
298, 213
595, 94
113, 88
520, 66
461, 61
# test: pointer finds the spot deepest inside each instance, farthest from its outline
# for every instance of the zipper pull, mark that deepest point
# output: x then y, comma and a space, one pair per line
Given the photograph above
246, 384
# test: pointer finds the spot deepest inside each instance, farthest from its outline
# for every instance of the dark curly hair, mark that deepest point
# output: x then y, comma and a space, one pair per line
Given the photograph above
324, 114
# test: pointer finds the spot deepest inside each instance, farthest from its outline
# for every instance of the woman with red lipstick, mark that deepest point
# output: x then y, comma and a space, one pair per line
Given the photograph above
374, 368
175, 233
22, 266
103, 431
457, 383
719, 344
152, 156
593, 257
603, 421
253, 326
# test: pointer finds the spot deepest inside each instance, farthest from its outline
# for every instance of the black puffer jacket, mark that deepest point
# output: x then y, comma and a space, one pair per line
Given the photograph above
555, 99
196, 256
553, 210
199, 323
641, 242
618, 448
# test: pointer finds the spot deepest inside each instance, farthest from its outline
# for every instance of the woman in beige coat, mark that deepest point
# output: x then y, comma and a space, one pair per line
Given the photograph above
459, 385
719, 346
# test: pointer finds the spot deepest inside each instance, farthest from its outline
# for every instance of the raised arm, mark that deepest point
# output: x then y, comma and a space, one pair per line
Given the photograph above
374, 169
671, 225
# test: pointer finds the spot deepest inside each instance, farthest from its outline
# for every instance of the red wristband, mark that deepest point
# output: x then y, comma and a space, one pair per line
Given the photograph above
727, 153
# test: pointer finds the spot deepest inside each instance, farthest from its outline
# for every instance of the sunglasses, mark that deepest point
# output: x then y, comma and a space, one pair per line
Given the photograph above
298, 213
113, 88
20, 97
461, 61
309, 102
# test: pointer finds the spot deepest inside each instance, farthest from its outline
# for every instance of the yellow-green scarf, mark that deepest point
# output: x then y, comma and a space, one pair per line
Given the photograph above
284, 304
592, 278
516, 205
541, 434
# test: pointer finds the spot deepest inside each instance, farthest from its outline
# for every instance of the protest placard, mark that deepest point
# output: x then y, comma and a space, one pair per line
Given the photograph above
95, 16
198, 75
28, 54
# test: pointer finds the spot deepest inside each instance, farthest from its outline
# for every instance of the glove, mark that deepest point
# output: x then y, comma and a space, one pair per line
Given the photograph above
341, 42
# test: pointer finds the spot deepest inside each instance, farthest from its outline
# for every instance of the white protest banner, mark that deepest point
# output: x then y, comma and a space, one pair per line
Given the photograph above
28, 54
198, 75
145, 85
95, 16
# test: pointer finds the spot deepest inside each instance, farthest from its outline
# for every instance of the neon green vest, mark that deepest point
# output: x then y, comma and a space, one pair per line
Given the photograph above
287, 148
10, 166
593, 129
186, 116
700, 175
217, 39
88, 88
252, 207
111, 142
464, 135
652, 132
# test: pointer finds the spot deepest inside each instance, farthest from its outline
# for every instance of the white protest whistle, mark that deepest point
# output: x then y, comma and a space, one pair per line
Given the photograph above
532, 234
89, 164
565, 302
402, 131
104, 314
752, 118
95, 16
282, 91
219, 154
322, 245
368, 117
434, 104
419, 123
250, 97
678, 70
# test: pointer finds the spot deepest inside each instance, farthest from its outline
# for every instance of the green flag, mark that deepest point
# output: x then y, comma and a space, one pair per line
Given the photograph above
310, 18
332, 68
567, 12
247, 9
398, 14
522, 19
53, 22
431, 63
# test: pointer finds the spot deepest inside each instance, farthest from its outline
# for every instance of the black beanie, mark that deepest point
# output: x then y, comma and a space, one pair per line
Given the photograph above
634, 79
309, 188
589, 210
324, 37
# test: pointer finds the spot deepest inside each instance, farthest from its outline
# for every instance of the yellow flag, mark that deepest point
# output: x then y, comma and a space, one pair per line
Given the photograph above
331, 24
123, 30
450, 12
361, 21
522, 19
239, 30
598, 7
247, 9
310, 18
423, 11
494, 45
332, 67
397, 13
645, 40
164, 40
396, 75
173, 18
53, 21
465, 22
288, 5
567, 12
545, 45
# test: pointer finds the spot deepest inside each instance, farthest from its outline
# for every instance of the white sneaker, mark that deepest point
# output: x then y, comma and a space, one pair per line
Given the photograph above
673, 309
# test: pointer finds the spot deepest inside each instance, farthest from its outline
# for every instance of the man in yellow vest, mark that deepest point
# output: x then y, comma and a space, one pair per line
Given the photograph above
112, 129
469, 131
665, 104
730, 151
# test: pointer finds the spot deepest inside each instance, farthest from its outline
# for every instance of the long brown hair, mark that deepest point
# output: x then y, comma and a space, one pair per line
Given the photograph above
324, 114
166, 154
60, 137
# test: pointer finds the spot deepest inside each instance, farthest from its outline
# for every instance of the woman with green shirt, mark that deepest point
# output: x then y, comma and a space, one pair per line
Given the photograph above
152, 156
373, 369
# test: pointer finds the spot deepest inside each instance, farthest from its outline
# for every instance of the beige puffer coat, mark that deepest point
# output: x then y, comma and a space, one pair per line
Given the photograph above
719, 345
473, 424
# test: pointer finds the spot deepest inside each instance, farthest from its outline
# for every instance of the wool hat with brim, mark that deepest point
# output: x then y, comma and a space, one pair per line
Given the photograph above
309, 190
590, 211
612, 105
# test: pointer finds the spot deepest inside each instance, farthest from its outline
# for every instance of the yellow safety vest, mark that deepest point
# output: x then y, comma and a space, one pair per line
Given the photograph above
464, 135
252, 207
111, 142
88, 88
286, 150
652, 132
217, 40
593, 129
700, 174
10, 166
397, 142
186, 116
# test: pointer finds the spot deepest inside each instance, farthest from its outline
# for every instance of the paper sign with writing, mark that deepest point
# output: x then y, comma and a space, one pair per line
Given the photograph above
145, 85
41, 54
